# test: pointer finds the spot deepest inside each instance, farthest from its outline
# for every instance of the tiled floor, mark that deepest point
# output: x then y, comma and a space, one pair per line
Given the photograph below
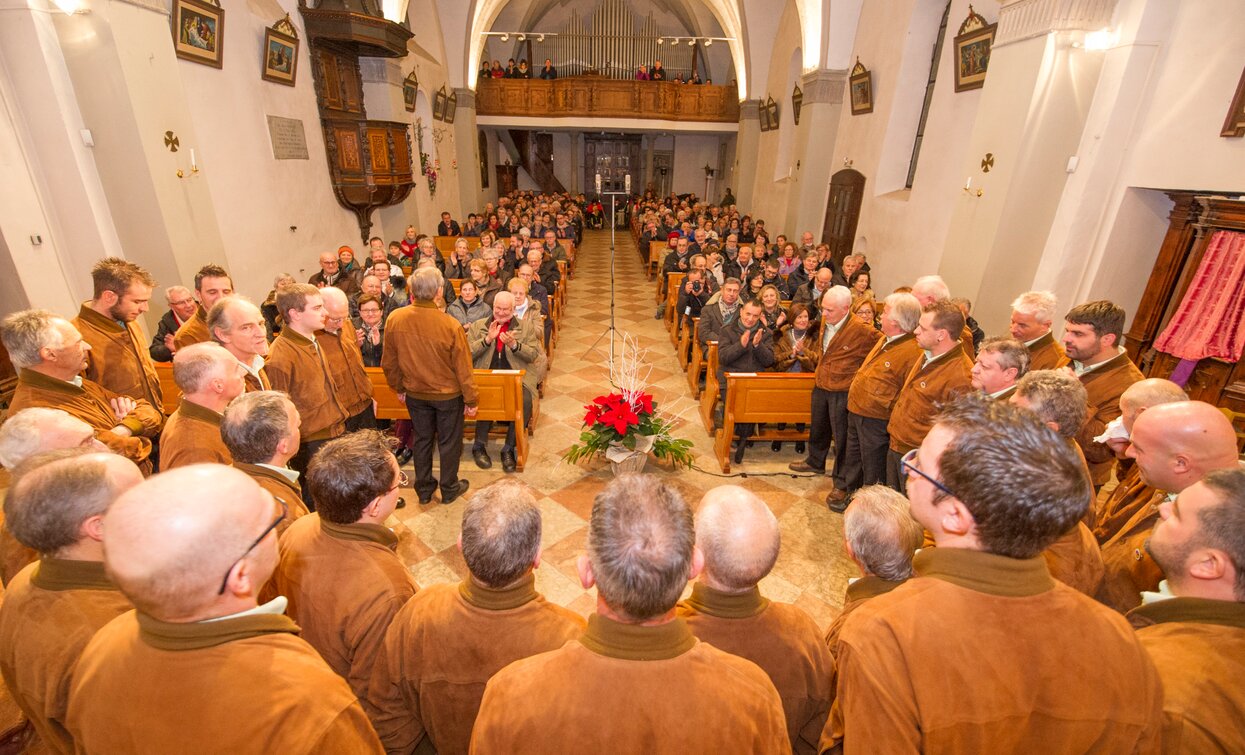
812, 570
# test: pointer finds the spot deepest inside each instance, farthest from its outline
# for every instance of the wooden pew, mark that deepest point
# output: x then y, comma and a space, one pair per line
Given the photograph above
674, 281
657, 251
764, 397
709, 396
696, 362
501, 400
445, 244
685, 340
171, 393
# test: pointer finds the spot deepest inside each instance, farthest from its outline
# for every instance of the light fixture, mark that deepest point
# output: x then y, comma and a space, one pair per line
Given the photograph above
661, 41
691, 42
69, 7
505, 37
541, 38
522, 37
708, 41
1099, 40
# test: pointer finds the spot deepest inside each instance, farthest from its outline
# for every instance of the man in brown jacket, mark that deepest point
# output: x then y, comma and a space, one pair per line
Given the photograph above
939, 376
638, 679
929, 289
200, 665
341, 351
238, 325
53, 606
49, 354
260, 429
426, 361
212, 284
738, 535
880, 537
297, 365
118, 359
996, 487
845, 342
338, 566
209, 378
1032, 315
999, 364
1175, 445
1091, 339
450, 639
1195, 629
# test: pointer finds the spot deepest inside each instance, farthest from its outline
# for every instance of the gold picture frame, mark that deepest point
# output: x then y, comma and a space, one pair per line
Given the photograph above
198, 28
410, 89
972, 51
1234, 126
280, 56
860, 88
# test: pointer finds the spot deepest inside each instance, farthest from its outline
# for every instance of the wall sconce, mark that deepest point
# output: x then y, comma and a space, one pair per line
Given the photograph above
194, 167
708, 171
70, 7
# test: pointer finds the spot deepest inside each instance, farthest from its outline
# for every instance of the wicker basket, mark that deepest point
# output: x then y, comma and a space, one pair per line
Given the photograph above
633, 463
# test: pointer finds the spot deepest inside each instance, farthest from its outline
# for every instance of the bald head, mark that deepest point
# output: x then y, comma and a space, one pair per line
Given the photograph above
1176, 444
40, 429
739, 537
1147, 393
173, 538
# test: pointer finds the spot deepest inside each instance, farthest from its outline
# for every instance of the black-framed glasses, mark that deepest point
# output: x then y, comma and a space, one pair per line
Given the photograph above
285, 511
907, 465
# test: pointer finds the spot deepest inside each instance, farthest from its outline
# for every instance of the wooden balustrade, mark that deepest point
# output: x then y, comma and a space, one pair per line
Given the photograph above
594, 96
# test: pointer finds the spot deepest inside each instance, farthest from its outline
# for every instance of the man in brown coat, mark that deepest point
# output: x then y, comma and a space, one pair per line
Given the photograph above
929, 289
209, 378
338, 567
1091, 338
1032, 315
238, 325
1195, 629
999, 364
738, 535
345, 360
200, 665
942, 374
212, 284
119, 360
638, 679
260, 429
450, 639
53, 607
845, 342
996, 487
49, 354
1174, 445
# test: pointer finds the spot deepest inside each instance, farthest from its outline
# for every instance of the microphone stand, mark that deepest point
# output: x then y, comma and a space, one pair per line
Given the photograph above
610, 330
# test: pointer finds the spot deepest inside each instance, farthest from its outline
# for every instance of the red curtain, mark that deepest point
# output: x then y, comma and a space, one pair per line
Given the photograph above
1210, 321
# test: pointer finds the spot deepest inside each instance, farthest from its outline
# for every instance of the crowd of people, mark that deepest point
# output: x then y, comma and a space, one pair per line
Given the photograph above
521, 70
223, 579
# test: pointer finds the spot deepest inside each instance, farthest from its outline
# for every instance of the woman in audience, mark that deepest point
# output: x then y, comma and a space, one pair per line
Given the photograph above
796, 350
457, 264
497, 71
486, 241
866, 309
760, 247
754, 284
772, 312
642, 74
370, 329
347, 264
789, 262
486, 286
485, 71
746, 234
468, 307
861, 283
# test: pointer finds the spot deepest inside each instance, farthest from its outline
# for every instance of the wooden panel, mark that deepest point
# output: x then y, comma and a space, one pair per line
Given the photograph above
378, 145
349, 158
763, 397
607, 98
331, 96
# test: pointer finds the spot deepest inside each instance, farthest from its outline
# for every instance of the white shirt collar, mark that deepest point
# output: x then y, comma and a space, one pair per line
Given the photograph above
275, 606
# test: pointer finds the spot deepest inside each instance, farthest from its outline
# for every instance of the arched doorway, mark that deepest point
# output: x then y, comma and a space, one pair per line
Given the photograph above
847, 189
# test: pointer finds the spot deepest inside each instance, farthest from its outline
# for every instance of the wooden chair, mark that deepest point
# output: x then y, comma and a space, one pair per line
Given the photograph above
764, 397
657, 251
709, 396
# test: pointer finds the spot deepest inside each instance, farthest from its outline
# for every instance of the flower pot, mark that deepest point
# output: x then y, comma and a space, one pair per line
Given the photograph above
632, 463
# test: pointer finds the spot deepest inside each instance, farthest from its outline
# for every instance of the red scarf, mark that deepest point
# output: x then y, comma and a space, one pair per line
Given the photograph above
504, 327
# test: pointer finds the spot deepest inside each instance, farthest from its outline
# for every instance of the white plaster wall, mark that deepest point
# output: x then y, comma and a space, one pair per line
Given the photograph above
772, 197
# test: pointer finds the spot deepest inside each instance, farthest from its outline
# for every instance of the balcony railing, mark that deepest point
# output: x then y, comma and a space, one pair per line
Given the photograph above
598, 97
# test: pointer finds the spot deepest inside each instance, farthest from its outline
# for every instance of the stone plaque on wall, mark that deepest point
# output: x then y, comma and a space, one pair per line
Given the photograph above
288, 140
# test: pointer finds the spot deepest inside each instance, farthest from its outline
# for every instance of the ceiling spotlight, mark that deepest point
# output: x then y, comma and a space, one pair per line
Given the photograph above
505, 37
661, 41
541, 38
522, 37
691, 42
708, 42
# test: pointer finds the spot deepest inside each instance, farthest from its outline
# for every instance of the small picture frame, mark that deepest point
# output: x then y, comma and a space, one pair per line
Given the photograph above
198, 31
410, 88
771, 114
1234, 126
860, 85
281, 53
451, 107
438, 105
972, 51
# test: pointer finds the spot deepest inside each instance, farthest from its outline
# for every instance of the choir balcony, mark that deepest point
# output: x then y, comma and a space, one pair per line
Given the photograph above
599, 97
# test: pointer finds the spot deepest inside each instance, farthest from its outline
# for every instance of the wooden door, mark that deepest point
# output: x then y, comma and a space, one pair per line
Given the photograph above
847, 189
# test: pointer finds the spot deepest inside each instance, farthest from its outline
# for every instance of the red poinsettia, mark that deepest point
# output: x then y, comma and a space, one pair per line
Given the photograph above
614, 411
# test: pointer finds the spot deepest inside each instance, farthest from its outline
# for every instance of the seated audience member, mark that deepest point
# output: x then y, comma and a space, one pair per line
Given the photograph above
370, 329
209, 378
339, 344
1000, 363
880, 537
409, 244
260, 429
744, 345
458, 264
739, 539
641, 553
448, 226
487, 286
642, 74
995, 486
200, 665
773, 315
117, 359
544, 268
693, 295
238, 325
428, 251
556, 251
715, 316
810, 293
444, 645
378, 253
1091, 341
339, 567
1174, 446
53, 607
1032, 315
331, 274
272, 318
468, 307
371, 287
548, 71
657, 73
352, 267
795, 347
1058, 399
1194, 630
504, 342
392, 286
48, 354
929, 289
865, 309
182, 307
861, 284
212, 284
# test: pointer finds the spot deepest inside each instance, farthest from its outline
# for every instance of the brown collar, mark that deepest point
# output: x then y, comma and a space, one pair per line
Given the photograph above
298, 339
370, 533
191, 410
103, 322
47, 382
255, 470
164, 635
985, 572
727, 605
520, 592
201, 314
1041, 342
56, 574
870, 587
632, 642
1193, 611
1113, 363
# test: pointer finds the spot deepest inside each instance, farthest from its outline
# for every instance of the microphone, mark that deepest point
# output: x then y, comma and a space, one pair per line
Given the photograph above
598, 183
628, 183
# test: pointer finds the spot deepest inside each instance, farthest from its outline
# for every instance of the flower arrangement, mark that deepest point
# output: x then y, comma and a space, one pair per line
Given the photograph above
431, 174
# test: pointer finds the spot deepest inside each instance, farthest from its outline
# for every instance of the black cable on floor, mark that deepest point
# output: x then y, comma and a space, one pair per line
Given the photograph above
745, 475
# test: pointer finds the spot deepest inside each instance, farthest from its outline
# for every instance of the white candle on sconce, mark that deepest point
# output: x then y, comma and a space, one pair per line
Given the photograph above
967, 184
194, 165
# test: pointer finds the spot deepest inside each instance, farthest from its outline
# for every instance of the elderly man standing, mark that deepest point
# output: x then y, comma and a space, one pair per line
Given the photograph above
505, 342
1195, 628
238, 325
450, 639
739, 537
427, 362
641, 553
260, 429
53, 607
1032, 315
340, 345
182, 306
209, 378
999, 364
338, 567
995, 487
49, 353
201, 665
212, 284
118, 358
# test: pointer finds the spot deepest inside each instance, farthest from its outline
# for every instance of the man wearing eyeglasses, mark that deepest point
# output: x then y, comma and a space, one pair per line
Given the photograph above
345, 360
201, 665
983, 651
182, 307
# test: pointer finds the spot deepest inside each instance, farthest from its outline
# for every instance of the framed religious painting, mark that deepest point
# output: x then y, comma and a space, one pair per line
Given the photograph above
198, 31
860, 85
438, 105
1235, 124
410, 88
451, 107
281, 53
972, 51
